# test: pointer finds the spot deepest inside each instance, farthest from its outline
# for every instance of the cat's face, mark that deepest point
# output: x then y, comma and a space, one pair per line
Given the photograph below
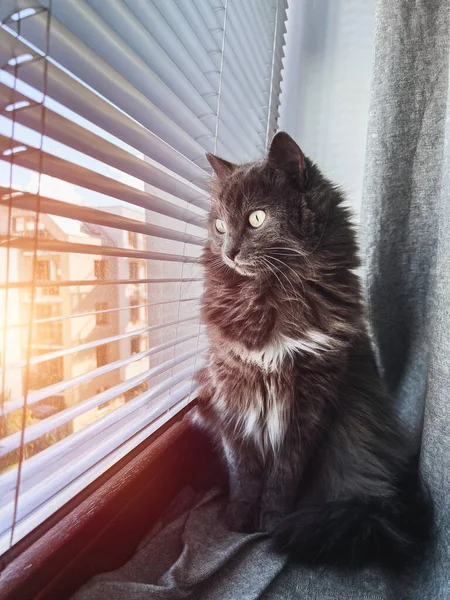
246, 220
260, 221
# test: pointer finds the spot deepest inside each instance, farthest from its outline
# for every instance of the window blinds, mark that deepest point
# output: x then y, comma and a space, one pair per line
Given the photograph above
106, 112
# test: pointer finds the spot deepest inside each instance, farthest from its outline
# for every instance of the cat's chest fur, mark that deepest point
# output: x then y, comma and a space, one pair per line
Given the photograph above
254, 368
253, 403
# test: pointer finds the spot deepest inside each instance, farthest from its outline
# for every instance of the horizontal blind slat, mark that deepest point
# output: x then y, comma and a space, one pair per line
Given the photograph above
61, 386
258, 34
122, 20
34, 159
147, 100
238, 45
180, 41
28, 243
32, 432
81, 282
75, 136
61, 480
31, 202
77, 97
192, 30
102, 312
181, 81
78, 18
41, 462
35, 360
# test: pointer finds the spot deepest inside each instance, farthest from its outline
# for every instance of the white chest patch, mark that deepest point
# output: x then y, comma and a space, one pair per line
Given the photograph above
264, 422
262, 415
271, 356
260, 408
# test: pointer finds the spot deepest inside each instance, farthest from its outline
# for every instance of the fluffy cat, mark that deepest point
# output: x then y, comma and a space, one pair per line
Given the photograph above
315, 452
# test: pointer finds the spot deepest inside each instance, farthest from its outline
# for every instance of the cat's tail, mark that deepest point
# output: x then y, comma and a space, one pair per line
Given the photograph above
356, 532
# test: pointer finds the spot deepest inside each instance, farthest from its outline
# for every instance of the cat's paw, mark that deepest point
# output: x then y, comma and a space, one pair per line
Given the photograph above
269, 520
241, 517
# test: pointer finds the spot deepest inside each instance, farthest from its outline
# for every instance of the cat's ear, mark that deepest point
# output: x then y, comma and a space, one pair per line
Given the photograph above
285, 154
221, 167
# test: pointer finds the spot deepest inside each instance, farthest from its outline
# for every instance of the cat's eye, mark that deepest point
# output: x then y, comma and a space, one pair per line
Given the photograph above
257, 218
220, 226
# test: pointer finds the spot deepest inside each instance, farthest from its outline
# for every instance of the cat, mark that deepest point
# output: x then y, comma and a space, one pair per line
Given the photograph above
316, 454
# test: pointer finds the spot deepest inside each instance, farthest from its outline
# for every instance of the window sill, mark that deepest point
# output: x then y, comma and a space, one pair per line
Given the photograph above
122, 505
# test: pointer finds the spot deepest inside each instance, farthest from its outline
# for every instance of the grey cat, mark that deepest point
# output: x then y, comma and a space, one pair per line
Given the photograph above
316, 454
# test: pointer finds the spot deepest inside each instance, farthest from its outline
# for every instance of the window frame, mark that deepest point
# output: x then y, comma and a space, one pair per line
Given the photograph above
80, 540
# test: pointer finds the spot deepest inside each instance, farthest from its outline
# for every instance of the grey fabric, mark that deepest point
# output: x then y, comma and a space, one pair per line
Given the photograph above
191, 551
406, 234
406, 246
191, 554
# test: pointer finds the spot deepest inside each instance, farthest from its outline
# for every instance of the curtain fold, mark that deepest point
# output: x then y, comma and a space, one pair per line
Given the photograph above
406, 242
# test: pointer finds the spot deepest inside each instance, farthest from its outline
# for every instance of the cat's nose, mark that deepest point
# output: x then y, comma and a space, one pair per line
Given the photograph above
232, 253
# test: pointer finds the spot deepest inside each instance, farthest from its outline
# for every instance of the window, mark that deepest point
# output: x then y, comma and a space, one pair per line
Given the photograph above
44, 311
133, 239
26, 226
30, 224
101, 318
43, 272
134, 311
135, 344
134, 270
102, 355
53, 291
18, 224
154, 125
100, 269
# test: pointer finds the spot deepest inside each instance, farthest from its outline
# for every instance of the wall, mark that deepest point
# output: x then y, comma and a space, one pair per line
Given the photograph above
326, 85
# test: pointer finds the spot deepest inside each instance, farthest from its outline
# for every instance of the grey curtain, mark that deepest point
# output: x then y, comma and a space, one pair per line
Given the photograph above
406, 245
406, 233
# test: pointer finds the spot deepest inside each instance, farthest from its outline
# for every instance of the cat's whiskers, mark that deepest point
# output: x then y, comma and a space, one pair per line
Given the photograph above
293, 252
271, 269
287, 248
274, 270
218, 266
299, 279
296, 296
282, 273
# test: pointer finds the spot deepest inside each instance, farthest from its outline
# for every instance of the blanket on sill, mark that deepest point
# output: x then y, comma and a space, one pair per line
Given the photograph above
405, 233
191, 554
